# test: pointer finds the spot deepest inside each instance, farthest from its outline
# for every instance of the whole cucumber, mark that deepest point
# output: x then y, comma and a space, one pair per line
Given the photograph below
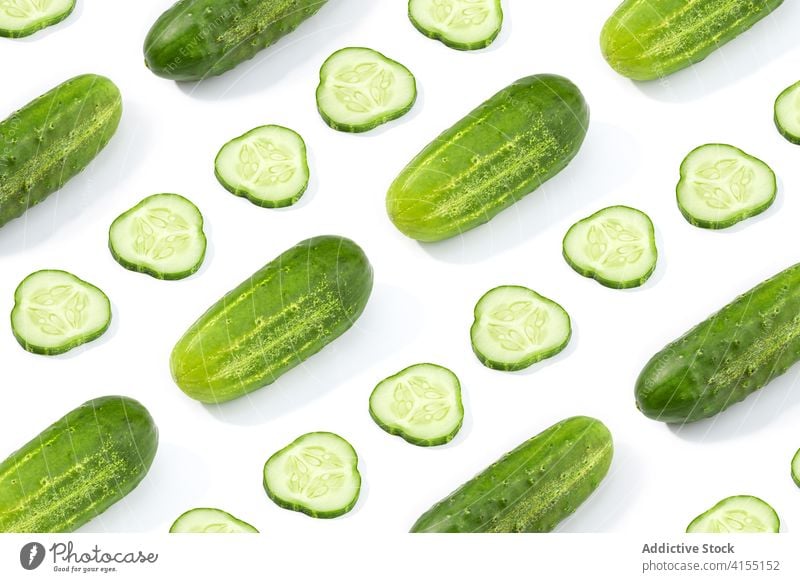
728, 356
53, 138
77, 467
277, 318
502, 151
196, 39
532, 488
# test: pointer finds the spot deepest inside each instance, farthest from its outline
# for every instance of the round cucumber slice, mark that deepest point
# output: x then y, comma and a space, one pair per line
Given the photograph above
267, 165
796, 468
421, 404
516, 327
360, 89
787, 113
317, 474
161, 236
615, 246
20, 18
55, 311
460, 24
721, 185
737, 514
210, 520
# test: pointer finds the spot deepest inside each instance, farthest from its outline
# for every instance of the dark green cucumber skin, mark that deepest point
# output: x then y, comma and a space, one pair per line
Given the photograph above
196, 39
532, 488
727, 357
52, 139
276, 319
502, 151
77, 467
649, 39
37, 26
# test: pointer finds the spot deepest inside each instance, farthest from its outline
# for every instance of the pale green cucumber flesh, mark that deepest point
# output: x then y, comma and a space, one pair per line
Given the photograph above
317, 474
459, 24
796, 468
615, 246
360, 89
20, 18
721, 185
267, 165
515, 327
422, 404
787, 113
161, 236
737, 514
210, 520
55, 311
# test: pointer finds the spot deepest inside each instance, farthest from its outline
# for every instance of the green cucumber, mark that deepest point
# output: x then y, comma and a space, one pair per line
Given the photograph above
502, 151
162, 236
77, 467
615, 246
421, 404
796, 468
650, 39
460, 24
276, 319
787, 113
721, 185
20, 18
267, 165
515, 327
52, 139
360, 89
736, 515
530, 489
316, 474
210, 520
196, 39
55, 311
727, 357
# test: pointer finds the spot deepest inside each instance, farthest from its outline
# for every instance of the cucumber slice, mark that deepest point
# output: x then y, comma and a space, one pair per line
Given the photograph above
721, 185
737, 514
20, 18
55, 311
615, 246
317, 474
796, 468
516, 327
161, 236
421, 404
787, 113
360, 89
460, 24
210, 520
267, 165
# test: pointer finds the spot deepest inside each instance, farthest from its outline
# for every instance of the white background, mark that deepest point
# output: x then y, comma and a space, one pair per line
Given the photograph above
424, 294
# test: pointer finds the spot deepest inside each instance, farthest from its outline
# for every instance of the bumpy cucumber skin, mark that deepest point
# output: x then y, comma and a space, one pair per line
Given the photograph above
196, 39
302, 508
646, 40
244, 193
243, 524
502, 151
459, 46
791, 137
375, 122
78, 467
138, 267
727, 357
515, 494
689, 528
737, 218
396, 431
54, 138
274, 320
611, 283
37, 26
63, 348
